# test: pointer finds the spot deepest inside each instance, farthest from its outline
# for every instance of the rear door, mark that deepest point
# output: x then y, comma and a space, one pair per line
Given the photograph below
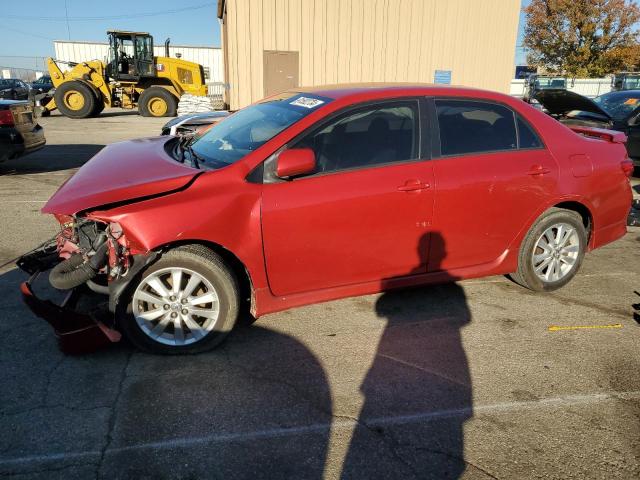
364, 215
492, 173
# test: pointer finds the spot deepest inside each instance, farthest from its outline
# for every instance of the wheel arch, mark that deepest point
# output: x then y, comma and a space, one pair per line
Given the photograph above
583, 211
245, 282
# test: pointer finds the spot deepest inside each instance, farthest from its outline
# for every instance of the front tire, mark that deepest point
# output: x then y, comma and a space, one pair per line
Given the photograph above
187, 302
75, 99
552, 251
157, 102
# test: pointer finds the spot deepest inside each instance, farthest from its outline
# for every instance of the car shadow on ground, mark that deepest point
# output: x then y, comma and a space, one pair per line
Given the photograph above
112, 112
51, 158
260, 406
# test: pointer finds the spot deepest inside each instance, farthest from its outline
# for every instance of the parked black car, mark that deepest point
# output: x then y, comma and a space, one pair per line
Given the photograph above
19, 131
14, 89
42, 85
614, 110
191, 123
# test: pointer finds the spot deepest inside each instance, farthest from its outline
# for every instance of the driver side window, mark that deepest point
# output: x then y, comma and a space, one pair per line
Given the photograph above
370, 136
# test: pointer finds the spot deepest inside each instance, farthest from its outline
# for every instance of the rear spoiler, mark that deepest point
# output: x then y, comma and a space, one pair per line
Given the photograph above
611, 136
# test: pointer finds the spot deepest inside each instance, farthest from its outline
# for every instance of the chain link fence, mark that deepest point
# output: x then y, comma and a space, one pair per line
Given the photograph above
215, 92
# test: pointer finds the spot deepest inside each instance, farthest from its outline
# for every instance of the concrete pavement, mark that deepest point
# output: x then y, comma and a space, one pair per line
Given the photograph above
455, 381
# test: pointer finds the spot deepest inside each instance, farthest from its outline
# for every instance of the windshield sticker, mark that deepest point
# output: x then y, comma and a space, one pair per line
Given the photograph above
306, 102
631, 101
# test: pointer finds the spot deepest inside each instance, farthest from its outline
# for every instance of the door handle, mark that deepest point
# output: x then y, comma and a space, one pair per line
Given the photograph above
413, 185
538, 170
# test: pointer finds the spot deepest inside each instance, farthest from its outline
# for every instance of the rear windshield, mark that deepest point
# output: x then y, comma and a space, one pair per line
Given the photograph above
619, 105
253, 126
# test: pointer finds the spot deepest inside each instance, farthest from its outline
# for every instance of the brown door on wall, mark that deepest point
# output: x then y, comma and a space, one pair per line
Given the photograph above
280, 71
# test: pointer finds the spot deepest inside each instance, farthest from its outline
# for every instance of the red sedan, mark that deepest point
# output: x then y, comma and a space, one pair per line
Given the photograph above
324, 193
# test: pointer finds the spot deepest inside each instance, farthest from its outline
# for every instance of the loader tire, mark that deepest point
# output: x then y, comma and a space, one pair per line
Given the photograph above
75, 99
157, 102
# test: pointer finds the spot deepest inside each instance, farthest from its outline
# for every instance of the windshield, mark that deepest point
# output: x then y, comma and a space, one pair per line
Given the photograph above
250, 128
619, 105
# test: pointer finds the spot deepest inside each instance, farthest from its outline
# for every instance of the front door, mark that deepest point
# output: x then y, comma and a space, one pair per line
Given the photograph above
363, 216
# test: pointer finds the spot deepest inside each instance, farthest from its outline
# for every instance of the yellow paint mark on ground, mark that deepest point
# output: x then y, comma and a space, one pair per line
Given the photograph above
556, 328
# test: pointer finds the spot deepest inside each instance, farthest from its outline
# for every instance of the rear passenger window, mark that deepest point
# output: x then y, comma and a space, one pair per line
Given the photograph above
475, 127
373, 135
526, 135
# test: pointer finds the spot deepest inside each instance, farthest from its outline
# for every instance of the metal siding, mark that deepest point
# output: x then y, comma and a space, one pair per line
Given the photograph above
208, 57
343, 41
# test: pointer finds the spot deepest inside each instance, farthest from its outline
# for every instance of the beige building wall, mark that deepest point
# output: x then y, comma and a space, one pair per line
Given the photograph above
343, 41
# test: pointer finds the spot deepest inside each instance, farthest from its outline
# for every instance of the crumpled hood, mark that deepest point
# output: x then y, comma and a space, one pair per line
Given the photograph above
120, 172
560, 102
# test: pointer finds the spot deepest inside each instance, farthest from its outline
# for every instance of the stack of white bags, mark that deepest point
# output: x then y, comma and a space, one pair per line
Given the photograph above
194, 104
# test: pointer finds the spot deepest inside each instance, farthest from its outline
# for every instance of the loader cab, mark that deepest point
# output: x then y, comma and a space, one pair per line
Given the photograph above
130, 56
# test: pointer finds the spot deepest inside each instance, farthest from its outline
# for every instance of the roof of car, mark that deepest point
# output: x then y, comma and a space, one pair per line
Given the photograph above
337, 91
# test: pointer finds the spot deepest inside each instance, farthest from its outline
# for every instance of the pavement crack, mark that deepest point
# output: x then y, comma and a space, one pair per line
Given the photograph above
49, 375
397, 444
8, 474
113, 416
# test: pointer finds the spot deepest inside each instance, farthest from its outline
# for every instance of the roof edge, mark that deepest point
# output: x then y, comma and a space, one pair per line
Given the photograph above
221, 5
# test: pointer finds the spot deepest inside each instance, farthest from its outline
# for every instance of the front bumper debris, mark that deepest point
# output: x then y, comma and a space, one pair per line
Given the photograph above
77, 332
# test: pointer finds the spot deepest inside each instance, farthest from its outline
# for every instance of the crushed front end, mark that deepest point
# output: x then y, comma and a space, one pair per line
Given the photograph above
88, 265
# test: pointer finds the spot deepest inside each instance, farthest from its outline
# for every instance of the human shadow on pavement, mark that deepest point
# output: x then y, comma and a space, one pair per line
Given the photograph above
417, 393
257, 407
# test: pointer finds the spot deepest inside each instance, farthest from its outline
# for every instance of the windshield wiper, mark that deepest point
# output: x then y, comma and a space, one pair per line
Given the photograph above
185, 146
195, 158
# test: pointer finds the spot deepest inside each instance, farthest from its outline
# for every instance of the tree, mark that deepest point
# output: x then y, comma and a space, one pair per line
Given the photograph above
582, 37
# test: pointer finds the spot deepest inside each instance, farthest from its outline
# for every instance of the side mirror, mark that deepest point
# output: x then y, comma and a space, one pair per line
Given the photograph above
294, 162
634, 121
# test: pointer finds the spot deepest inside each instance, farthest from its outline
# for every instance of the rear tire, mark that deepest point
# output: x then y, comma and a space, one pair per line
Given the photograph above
157, 102
552, 251
75, 99
193, 317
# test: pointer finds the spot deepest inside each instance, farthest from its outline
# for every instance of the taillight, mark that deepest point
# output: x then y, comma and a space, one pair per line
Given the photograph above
6, 118
627, 167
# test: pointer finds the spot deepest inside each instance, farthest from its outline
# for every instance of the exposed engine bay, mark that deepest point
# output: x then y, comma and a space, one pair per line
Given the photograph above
90, 262
90, 249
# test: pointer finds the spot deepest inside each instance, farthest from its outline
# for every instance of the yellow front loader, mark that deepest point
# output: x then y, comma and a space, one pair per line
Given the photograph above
131, 78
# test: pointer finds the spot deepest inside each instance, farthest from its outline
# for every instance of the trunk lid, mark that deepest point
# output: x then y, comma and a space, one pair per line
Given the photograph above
121, 172
560, 102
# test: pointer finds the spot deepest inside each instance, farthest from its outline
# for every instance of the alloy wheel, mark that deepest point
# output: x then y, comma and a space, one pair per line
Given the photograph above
176, 306
556, 252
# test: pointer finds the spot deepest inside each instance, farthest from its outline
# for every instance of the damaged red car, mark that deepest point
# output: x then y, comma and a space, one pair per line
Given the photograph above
319, 194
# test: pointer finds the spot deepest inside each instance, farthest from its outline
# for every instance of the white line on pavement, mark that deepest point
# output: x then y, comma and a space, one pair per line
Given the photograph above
562, 401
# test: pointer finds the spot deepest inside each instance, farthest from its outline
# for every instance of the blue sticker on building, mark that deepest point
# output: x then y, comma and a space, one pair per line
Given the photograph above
443, 77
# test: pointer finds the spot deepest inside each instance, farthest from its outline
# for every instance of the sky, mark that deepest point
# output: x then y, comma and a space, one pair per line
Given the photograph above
520, 53
28, 33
